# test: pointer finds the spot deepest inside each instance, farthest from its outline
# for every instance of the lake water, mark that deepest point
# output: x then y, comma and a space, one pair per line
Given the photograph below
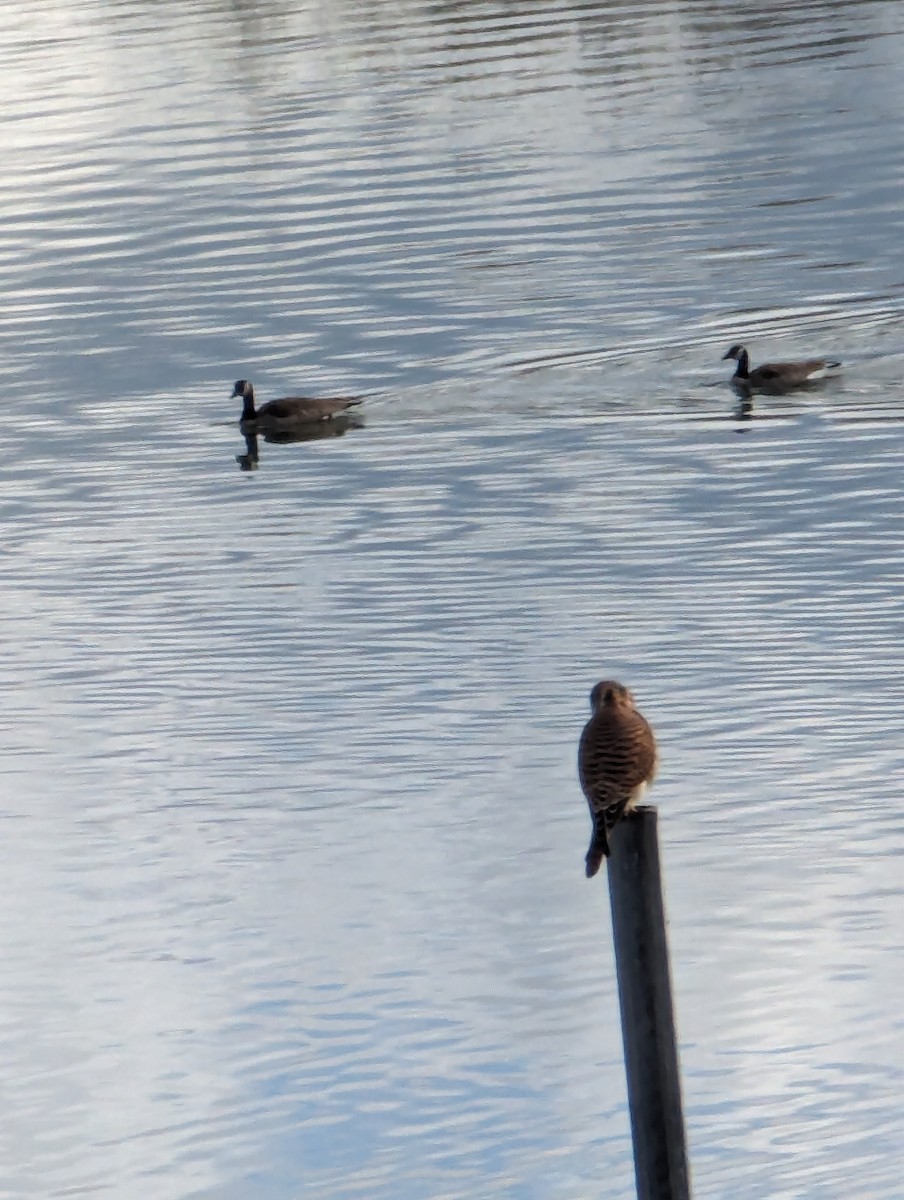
292, 855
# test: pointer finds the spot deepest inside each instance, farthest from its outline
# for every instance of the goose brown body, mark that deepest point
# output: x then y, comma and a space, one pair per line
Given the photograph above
289, 411
778, 376
617, 758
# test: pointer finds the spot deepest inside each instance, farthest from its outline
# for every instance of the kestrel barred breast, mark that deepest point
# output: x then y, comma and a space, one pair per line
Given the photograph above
616, 760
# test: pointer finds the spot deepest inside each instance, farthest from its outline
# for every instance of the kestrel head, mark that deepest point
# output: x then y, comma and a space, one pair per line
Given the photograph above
609, 694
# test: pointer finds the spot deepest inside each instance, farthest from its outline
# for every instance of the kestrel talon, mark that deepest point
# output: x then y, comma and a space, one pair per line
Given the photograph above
616, 760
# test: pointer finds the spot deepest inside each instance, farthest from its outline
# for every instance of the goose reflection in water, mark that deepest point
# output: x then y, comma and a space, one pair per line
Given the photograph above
743, 409
308, 432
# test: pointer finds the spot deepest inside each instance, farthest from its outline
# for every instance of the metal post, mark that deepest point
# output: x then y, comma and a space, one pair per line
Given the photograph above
645, 997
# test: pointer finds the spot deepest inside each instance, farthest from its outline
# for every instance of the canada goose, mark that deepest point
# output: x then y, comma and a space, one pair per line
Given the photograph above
289, 412
778, 376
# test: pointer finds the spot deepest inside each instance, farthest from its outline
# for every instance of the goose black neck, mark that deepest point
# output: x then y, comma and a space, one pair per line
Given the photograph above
743, 368
248, 413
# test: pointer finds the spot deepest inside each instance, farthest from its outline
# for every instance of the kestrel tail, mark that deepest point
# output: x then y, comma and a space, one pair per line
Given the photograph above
616, 760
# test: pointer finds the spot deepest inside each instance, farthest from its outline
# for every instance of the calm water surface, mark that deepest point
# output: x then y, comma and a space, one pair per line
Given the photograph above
293, 842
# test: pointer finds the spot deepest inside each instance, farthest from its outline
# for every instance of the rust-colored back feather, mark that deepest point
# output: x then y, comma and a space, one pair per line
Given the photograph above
616, 759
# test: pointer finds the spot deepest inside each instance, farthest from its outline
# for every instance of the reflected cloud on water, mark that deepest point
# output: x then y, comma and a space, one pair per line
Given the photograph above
291, 800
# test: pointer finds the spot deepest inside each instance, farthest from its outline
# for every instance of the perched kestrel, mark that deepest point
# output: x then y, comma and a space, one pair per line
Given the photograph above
616, 760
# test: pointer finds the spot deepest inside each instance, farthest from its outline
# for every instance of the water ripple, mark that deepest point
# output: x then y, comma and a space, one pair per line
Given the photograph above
293, 853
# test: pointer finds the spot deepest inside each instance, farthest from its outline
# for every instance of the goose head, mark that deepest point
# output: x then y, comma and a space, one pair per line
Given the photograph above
243, 388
